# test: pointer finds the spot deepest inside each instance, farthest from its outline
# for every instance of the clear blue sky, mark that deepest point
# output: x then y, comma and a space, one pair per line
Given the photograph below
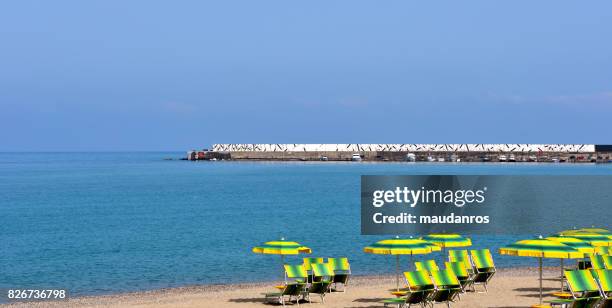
175, 75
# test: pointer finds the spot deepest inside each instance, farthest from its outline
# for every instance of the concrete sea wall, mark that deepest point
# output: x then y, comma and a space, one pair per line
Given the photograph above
403, 152
386, 147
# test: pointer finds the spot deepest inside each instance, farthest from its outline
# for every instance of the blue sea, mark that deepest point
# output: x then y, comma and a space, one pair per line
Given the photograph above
98, 223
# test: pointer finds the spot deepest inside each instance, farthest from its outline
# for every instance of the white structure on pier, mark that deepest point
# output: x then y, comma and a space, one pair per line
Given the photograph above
511, 148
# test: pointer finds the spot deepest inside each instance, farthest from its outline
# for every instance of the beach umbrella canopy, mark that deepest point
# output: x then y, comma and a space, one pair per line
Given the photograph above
601, 231
448, 240
401, 246
281, 247
541, 248
576, 243
595, 239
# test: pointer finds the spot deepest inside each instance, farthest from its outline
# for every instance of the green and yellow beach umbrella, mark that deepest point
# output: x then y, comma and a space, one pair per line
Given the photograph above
401, 246
541, 248
578, 244
601, 231
281, 247
447, 240
595, 239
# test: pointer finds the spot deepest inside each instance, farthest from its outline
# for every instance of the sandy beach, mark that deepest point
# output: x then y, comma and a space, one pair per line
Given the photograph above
509, 288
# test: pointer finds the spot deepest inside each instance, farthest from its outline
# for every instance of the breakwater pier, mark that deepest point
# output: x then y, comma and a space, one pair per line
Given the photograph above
575, 153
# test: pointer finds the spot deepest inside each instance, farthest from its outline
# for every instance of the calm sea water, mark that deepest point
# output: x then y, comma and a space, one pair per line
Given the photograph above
112, 222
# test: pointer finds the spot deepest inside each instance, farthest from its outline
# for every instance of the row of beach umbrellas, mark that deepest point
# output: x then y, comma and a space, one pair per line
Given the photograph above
569, 244
396, 246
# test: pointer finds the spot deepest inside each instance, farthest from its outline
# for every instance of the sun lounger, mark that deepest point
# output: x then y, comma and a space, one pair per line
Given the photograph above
323, 277
460, 256
297, 273
604, 281
418, 280
597, 261
308, 261
484, 267
307, 265
323, 271
447, 287
429, 265
291, 290
607, 261
342, 272
319, 287
419, 291
584, 289
466, 279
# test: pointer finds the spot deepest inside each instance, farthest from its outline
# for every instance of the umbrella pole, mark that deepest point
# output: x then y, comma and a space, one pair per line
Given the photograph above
540, 266
397, 272
283, 267
562, 287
